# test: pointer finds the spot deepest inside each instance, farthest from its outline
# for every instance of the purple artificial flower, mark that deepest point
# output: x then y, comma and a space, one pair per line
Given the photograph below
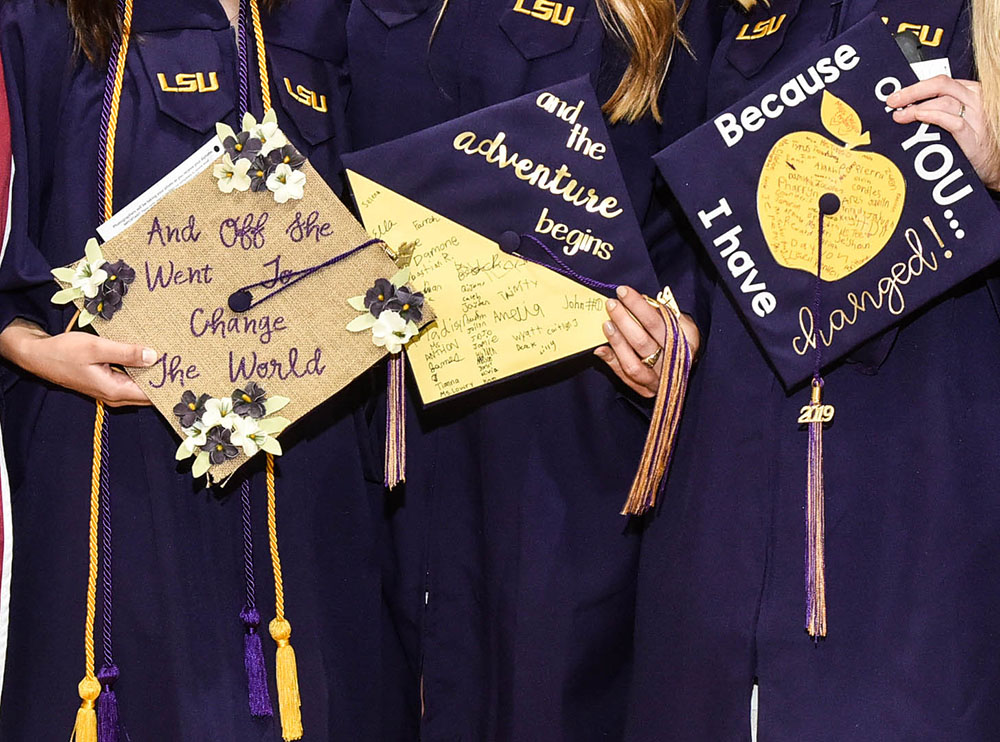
218, 446
250, 401
259, 172
409, 304
191, 408
379, 295
105, 304
120, 275
286, 155
242, 146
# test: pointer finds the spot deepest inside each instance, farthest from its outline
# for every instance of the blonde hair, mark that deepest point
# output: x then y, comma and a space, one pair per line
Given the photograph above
650, 29
986, 44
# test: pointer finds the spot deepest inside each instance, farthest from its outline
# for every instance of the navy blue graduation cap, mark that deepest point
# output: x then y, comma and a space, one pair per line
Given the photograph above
482, 197
539, 165
833, 222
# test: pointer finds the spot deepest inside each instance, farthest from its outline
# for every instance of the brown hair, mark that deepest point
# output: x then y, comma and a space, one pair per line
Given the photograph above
649, 29
96, 23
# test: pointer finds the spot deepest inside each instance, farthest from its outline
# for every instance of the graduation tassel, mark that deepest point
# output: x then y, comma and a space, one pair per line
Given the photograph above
656, 454
395, 422
816, 517
289, 700
85, 727
815, 415
253, 650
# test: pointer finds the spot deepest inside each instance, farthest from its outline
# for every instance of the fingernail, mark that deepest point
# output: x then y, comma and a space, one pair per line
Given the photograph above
149, 356
622, 291
612, 304
609, 328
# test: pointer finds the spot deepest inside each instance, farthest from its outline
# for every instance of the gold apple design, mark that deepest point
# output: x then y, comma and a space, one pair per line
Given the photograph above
801, 168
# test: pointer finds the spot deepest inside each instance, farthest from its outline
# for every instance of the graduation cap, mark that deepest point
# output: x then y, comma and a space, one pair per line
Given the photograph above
826, 194
517, 223
249, 280
534, 178
833, 223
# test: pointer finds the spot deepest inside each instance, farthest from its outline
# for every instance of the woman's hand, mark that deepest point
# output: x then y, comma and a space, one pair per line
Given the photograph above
957, 107
78, 361
636, 331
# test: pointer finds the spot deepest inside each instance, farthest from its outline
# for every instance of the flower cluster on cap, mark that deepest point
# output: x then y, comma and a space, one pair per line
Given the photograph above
392, 311
100, 284
260, 158
218, 429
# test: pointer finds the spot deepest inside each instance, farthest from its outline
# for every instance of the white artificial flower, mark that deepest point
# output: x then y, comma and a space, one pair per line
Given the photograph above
219, 412
286, 183
89, 275
267, 132
246, 432
232, 176
391, 331
194, 438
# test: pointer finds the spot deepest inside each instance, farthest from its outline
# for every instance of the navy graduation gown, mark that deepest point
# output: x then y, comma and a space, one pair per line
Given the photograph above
913, 514
510, 576
178, 567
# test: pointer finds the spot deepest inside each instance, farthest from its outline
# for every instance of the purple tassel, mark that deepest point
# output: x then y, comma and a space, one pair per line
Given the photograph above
108, 725
253, 659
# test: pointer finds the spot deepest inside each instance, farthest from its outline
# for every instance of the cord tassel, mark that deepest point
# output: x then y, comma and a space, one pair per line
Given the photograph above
108, 725
666, 417
253, 660
85, 728
287, 675
289, 698
816, 517
395, 422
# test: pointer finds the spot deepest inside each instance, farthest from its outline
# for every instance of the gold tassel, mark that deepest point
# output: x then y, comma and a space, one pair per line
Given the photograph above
289, 699
666, 416
85, 728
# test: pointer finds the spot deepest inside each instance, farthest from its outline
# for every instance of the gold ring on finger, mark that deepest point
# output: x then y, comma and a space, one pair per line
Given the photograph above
652, 358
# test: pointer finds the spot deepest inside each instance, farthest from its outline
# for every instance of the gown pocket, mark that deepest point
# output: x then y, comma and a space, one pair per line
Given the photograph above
309, 90
394, 13
542, 27
189, 80
757, 36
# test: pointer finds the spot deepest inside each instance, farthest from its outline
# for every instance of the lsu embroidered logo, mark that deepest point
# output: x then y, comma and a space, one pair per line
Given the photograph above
761, 29
189, 82
307, 97
927, 35
547, 10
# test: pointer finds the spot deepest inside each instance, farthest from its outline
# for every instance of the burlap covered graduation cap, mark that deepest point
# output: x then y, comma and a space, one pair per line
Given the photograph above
820, 180
519, 224
247, 295
535, 176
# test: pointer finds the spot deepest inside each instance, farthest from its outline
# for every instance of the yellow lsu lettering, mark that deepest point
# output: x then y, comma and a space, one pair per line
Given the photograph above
547, 10
761, 29
307, 97
189, 82
927, 35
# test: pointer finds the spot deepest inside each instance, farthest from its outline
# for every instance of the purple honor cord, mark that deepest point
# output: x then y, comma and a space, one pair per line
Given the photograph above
253, 650
108, 722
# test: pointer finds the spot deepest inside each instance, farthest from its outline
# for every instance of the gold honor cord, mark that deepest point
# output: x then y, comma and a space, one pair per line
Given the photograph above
85, 728
286, 670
